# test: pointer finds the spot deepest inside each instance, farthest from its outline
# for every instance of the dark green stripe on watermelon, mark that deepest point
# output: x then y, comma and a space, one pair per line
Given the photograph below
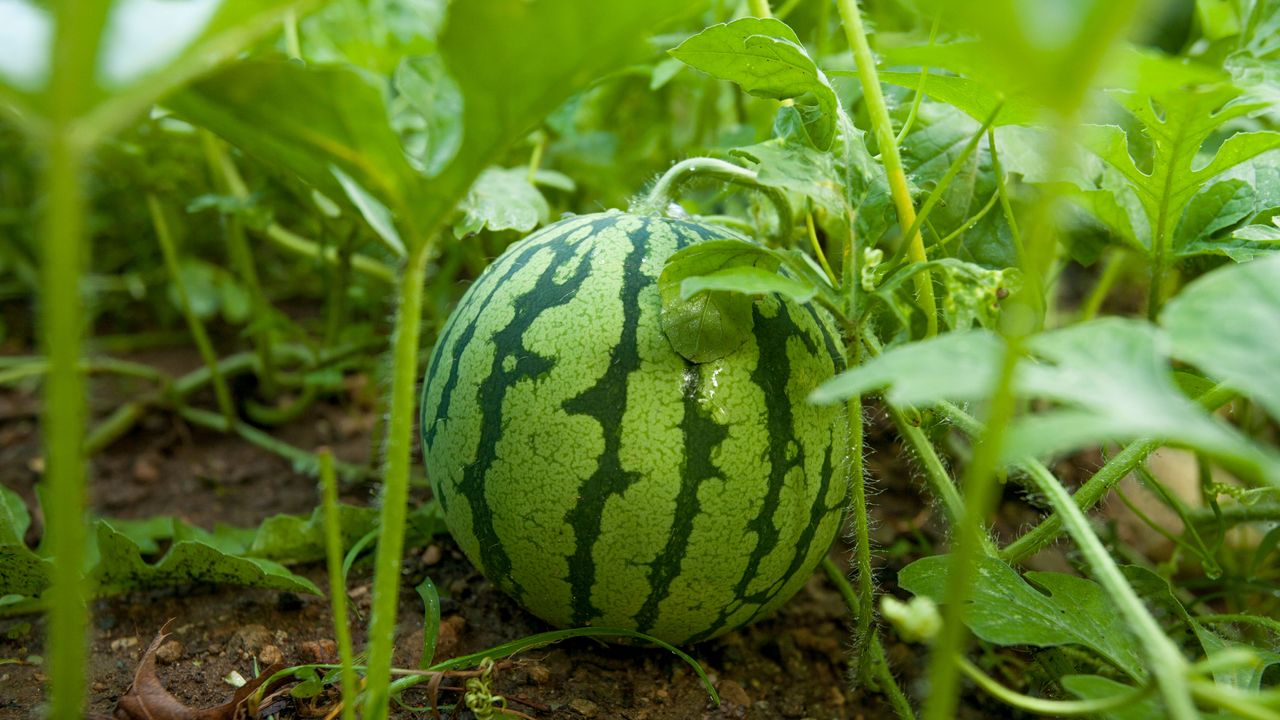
702, 435
606, 401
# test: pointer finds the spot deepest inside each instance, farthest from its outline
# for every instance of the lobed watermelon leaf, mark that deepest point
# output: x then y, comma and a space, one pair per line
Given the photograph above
121, 566
1046, 609
501, 199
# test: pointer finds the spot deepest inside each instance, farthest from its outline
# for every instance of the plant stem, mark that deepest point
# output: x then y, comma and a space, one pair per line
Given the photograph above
241, 255
302, 461
817, 248
864, 613
1163, 657
1040, 706
1111, 271
63, 420
939, 480
950, 175
299, 245
851, 18
337, 588
1237, 514
1093, 490
220, 390
665, 190
386, 581
64, 256
919, 94
875, 651
979, 484
759, 8
1006, 205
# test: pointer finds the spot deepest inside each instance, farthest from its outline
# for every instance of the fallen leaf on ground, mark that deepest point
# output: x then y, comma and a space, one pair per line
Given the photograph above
148, 700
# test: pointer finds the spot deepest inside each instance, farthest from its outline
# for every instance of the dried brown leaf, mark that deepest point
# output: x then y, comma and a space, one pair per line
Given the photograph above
147, 698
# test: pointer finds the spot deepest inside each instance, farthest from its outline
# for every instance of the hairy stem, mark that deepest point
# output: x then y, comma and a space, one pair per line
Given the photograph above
395, 486
864, 613
668, 186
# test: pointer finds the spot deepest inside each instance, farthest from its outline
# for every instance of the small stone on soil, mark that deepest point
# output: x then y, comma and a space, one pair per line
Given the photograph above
733, 693
270, 655
124, 643
249, 639
169, 652
432, 555
584, 707
538, 672
318, 651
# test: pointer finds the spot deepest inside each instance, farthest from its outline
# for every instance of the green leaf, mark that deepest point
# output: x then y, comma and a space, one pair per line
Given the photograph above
1242, 245
338, 122
1227, 322
502, 199
1104, 205
296, 538
1218, 206
1059, 610
146, 48
1096, 687
14, 517
428, 112
377, 215
765, 58
22, 572
1107, 381
430, 620
959, 365
121, 566
516, 61
1187, 117
711, 323
1244, 678
748, 280
798, 168
976, 99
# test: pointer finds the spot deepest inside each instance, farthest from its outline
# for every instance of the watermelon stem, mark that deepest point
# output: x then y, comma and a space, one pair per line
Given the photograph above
395, 487
851, 19
667, 188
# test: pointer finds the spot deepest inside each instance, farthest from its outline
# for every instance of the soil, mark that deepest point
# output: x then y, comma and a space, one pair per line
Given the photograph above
791, 665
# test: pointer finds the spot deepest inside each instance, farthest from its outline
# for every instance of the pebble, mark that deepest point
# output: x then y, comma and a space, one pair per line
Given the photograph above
100, 687
538, 672
432, 555
124, 643
145, 471
169, 652
270, 655
447, 636
584, 707
319, 651
733, 693
248, 640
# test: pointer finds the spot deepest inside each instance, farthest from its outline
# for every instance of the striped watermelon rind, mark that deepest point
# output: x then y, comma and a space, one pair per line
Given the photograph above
600, 478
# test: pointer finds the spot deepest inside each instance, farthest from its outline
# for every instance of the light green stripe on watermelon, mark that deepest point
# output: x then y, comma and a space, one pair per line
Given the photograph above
597, 476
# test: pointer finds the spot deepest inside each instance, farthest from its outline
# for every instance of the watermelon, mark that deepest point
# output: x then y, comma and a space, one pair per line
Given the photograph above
597, 476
